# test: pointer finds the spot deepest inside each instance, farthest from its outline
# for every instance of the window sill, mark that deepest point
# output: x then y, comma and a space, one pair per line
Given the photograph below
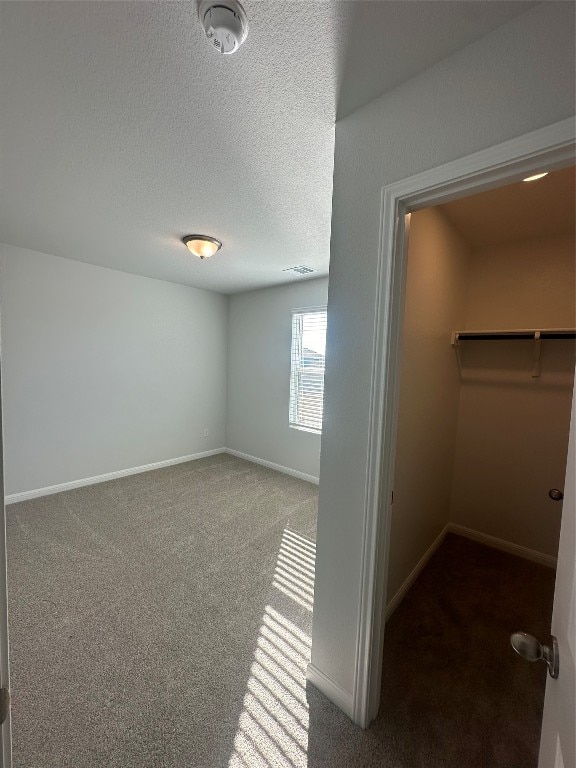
305, 429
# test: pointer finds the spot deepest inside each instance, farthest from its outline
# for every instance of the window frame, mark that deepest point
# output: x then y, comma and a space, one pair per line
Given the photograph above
296, 371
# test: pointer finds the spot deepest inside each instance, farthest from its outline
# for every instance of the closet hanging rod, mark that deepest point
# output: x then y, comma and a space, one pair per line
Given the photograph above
535, 335
529, 334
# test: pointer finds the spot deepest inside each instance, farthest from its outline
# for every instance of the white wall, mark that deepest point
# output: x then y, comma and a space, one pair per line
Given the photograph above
259, 375
513, 429
104, 371
515, 80
435, 304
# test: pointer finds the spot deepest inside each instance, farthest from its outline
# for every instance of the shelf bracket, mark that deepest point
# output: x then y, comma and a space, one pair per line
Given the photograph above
456, 346
537, 350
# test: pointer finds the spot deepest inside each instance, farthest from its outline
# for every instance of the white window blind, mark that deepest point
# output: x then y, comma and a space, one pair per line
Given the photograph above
307, 369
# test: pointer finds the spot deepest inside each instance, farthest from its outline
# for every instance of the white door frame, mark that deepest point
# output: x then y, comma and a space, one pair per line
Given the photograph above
549, 148
5, 729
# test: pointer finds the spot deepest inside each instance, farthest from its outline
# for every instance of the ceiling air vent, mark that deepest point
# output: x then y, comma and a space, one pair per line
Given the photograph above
301, 270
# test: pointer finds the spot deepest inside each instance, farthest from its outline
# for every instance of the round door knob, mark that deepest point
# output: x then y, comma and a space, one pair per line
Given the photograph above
527, 646
532, 650
555, 494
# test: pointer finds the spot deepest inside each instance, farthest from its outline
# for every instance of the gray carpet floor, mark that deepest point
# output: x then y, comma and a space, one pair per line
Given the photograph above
163, 621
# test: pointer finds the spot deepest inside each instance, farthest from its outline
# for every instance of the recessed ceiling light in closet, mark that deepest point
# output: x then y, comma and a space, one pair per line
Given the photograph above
536, 176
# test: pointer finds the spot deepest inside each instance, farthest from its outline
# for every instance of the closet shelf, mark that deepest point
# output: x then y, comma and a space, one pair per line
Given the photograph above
530, 334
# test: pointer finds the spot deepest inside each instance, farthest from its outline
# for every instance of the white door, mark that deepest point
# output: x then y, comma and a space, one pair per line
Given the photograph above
5, 739
558, 743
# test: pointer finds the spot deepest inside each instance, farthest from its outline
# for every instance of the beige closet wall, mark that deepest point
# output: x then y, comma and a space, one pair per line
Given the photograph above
438, 261
513, 429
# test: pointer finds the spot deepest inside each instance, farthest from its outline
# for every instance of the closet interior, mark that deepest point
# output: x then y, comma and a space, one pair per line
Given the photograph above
487, 374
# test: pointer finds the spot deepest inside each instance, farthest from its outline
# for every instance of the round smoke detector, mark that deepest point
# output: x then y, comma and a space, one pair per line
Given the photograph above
225, 24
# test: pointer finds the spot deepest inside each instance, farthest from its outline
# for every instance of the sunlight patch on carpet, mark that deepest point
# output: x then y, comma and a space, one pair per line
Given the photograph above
273, 726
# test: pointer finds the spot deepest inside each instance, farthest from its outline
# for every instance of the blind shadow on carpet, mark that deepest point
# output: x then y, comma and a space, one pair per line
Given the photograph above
164, 620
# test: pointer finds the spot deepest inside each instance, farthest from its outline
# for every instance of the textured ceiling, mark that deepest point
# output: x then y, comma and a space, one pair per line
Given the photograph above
121, 130
521, 211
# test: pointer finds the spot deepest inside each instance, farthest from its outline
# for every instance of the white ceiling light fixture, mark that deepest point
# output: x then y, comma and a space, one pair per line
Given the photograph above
224, 23
202, 246
536, 176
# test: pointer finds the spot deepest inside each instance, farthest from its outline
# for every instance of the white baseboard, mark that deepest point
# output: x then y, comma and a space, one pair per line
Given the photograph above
468, 533
505, 546
13, 498
25, 495
271, 465
335, 693
415, 572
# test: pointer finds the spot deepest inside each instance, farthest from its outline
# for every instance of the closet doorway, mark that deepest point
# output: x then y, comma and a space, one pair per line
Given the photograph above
486, 381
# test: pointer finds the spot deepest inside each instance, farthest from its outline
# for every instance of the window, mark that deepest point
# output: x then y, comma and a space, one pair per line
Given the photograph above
307, 372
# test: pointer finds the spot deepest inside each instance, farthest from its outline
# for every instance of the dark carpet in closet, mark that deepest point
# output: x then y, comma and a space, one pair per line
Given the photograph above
454, 692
